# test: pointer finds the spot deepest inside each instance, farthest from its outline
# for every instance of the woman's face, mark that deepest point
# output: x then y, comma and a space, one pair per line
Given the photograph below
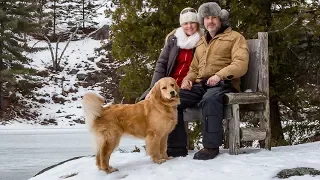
190, 28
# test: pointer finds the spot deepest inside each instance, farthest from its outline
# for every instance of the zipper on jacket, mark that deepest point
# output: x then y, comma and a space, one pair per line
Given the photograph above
185, 60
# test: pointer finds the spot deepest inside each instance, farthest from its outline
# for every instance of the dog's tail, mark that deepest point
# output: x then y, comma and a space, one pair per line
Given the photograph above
92, 104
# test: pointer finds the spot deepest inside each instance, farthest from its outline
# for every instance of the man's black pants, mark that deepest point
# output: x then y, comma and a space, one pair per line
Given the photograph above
210, 99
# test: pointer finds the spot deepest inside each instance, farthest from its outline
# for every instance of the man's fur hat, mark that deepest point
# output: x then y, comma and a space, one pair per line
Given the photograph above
213, 9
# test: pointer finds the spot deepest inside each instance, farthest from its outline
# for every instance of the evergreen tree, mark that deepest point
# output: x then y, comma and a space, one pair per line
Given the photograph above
16, 19
139, 30
42, 15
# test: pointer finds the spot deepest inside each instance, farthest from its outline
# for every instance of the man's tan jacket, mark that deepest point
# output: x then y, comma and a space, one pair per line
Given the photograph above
226, 55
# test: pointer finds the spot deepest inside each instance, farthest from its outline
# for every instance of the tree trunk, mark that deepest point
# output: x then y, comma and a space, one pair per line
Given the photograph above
2, 67
54, 17
1, 79
83, 15
275, 121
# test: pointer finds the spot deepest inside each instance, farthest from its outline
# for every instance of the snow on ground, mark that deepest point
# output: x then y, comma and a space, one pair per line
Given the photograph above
76, 58
101, 18
252, 165
79, 58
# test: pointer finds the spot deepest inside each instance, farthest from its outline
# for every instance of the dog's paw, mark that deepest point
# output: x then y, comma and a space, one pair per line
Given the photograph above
159, 161
109, 169
165, 156
169, 158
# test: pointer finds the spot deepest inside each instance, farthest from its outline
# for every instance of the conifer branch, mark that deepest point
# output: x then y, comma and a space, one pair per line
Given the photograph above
275, 31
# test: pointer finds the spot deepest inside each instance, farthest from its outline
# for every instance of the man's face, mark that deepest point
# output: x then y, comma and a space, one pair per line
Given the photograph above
212, 23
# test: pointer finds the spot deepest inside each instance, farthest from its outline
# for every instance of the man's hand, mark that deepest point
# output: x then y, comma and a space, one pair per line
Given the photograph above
186, 84
213, 80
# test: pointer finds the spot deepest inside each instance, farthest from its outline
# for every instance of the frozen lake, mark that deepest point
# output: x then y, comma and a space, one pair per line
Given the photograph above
23, 153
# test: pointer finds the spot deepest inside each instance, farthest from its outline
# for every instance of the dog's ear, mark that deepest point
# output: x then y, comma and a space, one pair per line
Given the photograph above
155, 91
176, 87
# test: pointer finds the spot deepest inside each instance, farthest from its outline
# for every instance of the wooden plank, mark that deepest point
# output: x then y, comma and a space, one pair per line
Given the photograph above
244, 98
251, 107
250, 134
225, 124
250, 79
263, 85
234, 131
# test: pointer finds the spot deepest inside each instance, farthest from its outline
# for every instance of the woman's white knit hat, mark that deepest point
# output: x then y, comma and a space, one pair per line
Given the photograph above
188, 15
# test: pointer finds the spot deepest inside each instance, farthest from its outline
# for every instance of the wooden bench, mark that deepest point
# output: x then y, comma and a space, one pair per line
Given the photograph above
256, 81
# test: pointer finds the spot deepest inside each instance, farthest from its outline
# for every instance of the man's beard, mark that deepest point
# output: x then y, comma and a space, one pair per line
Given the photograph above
213, 28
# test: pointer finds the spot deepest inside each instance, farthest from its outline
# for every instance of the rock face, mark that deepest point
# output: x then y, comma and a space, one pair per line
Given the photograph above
299, 171
101, 34
81, 76
55, 165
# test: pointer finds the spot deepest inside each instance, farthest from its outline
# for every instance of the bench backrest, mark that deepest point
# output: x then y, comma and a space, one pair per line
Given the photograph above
257, 77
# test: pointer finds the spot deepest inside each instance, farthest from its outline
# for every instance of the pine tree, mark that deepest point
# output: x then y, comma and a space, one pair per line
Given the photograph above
139, 28
16, 19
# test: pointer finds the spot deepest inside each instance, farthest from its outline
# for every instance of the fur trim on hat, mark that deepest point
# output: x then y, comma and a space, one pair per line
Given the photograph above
188, 16
213, 9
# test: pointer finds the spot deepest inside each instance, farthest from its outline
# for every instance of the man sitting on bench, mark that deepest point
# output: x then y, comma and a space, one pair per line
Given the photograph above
220, 59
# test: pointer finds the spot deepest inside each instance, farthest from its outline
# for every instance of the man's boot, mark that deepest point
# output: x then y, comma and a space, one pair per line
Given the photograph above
206, 154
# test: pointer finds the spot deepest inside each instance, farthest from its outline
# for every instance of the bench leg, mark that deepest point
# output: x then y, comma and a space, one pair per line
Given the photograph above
265, 123
234, 130
225, 124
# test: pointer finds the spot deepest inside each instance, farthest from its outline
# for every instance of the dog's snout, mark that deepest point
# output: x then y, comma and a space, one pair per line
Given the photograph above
172, 93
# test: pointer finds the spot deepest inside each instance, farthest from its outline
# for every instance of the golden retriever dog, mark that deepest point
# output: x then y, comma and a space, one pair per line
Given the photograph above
152, 119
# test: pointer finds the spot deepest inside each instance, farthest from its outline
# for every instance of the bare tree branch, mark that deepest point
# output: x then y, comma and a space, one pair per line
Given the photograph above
57, 62
50, 47
71, 36
33, 47
299, 12
275, 31
94, 32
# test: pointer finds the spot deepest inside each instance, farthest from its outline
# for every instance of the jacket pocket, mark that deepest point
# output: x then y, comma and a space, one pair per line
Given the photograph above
223, 47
